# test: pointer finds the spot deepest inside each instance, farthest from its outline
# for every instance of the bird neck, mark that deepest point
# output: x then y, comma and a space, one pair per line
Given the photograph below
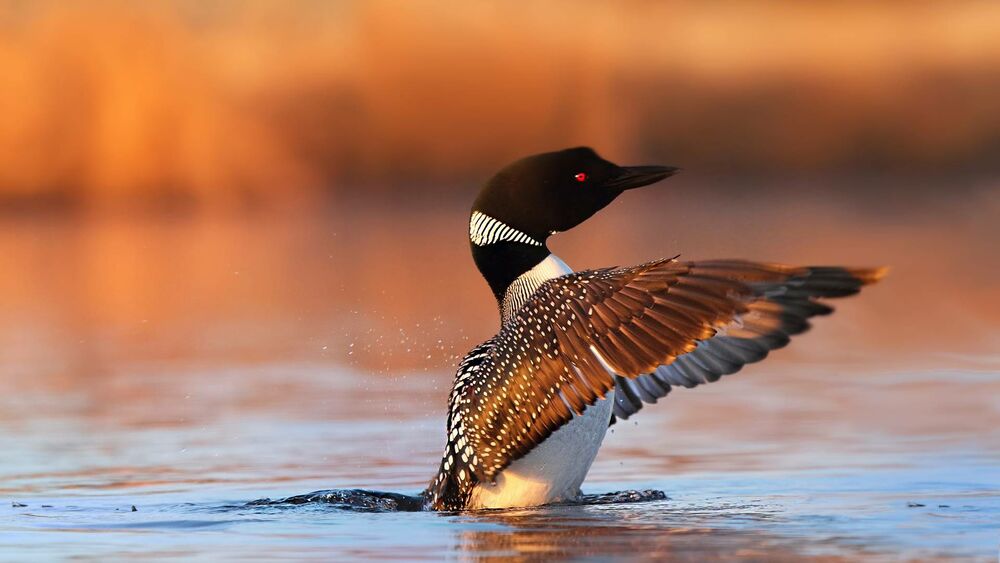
502, 263
521, 289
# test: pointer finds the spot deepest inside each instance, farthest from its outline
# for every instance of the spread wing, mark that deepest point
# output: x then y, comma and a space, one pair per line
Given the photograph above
780, 308
642, 329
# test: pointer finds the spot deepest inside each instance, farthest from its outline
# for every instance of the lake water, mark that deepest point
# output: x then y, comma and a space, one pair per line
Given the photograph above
187, 366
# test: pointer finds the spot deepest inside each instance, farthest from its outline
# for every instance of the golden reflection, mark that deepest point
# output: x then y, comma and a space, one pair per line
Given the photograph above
590, 532
104, 305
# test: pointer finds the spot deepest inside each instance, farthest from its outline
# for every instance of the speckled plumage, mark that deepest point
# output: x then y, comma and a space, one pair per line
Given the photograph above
656, 325
529, 407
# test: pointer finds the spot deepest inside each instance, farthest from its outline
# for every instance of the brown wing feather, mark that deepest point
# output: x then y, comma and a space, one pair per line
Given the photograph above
655, 325
784, 298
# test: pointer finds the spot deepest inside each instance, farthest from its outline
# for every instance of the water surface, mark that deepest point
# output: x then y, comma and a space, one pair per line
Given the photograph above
188, 366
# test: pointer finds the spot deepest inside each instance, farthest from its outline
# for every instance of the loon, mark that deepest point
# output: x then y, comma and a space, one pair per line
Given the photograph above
529, 407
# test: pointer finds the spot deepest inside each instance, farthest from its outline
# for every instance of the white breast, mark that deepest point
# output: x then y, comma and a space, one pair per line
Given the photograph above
554, 470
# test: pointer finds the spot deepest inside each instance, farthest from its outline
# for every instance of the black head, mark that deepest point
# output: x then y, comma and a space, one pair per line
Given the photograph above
524, 203
556, 191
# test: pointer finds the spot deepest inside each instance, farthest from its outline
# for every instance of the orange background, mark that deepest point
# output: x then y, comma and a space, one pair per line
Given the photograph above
224, 104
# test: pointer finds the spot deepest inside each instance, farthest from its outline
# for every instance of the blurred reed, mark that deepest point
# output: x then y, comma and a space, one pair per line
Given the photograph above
223, 104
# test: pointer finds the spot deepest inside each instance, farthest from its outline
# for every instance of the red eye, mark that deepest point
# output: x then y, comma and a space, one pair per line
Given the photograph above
581, 177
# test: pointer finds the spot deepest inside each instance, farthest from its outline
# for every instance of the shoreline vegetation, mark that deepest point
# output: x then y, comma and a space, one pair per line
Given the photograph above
218, 105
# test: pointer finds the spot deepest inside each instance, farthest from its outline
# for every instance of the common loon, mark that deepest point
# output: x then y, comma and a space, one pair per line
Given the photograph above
530, 407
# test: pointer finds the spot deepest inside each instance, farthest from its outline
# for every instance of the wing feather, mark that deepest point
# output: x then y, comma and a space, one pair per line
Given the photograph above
639, 330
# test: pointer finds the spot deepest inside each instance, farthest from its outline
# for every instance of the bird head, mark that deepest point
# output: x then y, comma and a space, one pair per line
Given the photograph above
552, 192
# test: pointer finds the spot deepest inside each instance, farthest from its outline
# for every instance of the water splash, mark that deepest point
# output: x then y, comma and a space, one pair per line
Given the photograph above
354, 500
362, 500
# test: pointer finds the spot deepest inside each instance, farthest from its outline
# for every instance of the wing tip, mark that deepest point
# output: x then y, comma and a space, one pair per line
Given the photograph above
869, 276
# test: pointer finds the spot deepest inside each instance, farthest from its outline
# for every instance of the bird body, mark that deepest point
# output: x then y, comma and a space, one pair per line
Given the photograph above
530, 407
554, 470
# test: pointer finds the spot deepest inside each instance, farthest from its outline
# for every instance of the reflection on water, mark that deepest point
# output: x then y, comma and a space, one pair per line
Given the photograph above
186, 366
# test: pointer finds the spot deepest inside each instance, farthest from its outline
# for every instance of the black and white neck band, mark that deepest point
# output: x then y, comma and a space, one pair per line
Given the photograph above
484, 230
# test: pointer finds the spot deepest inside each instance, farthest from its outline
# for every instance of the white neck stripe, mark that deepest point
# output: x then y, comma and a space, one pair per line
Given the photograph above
484, 230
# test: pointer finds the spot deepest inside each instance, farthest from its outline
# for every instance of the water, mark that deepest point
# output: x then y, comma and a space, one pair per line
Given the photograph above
189, 367
848, 492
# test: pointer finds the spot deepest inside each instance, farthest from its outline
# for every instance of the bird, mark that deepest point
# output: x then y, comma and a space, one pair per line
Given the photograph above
577, 350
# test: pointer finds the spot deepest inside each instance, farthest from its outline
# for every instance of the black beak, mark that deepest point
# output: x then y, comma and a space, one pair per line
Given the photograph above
638, 176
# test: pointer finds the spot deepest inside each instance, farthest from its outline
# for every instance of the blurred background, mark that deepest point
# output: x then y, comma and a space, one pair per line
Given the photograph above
231, 231
183, 177
195, 180
223, 105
